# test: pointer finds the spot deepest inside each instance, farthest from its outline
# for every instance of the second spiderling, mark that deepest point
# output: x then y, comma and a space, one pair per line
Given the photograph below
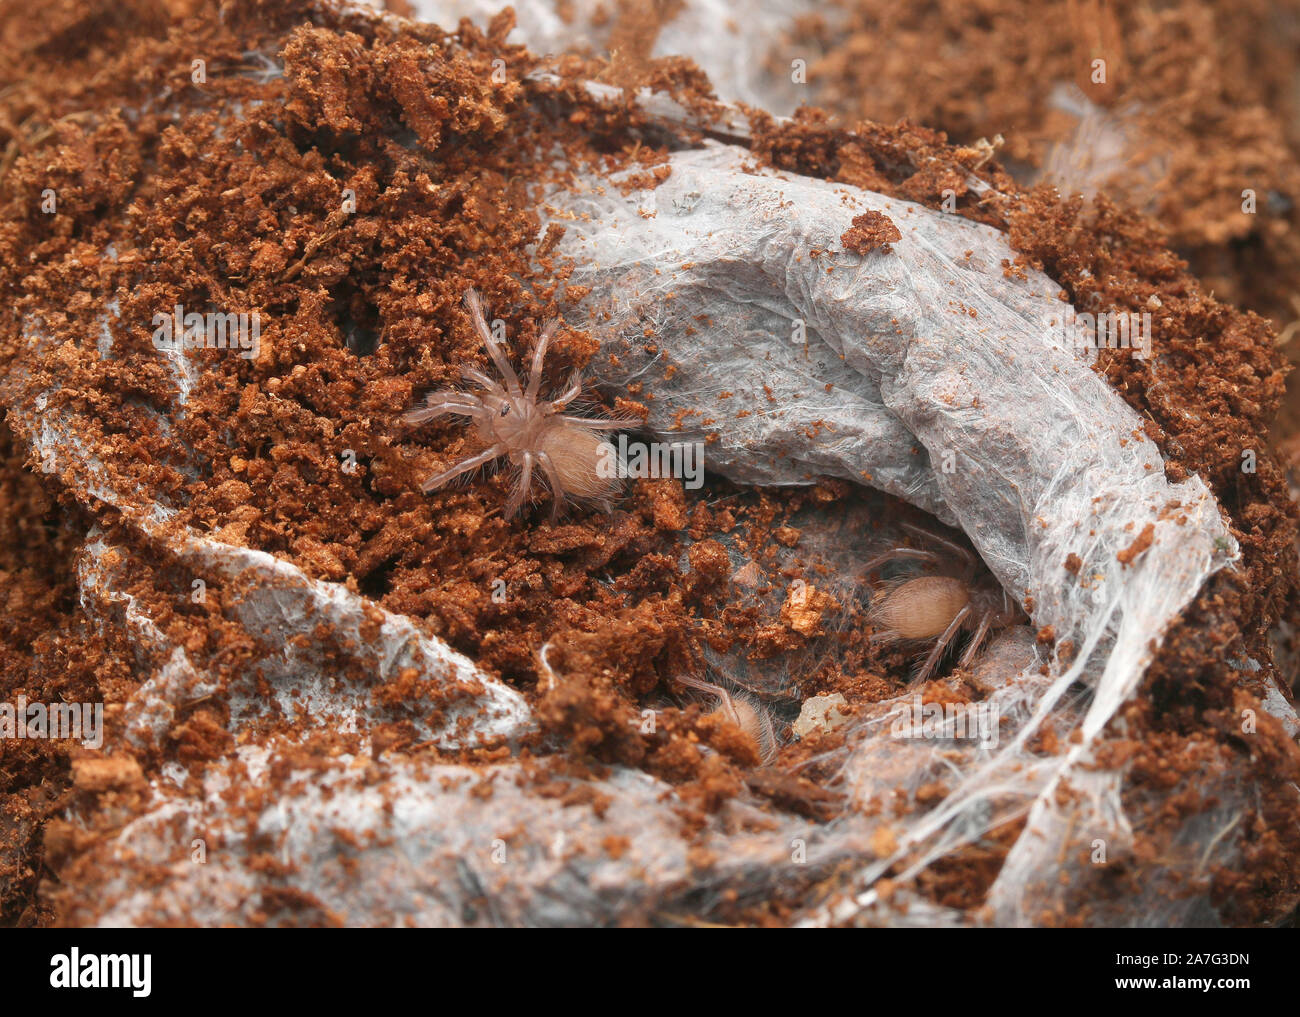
535, 435
938, 607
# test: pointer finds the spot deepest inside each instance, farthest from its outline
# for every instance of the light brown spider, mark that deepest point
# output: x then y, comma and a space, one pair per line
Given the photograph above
743, 711
937, 607
532, 434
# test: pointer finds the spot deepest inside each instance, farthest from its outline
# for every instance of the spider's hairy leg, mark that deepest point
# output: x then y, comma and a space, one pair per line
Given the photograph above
897, 554
475, 304
727, 703
539, 355
520, 492
480, 379
941, 645
568, 395
571, 393
967, 559
700, 685
599, 425
552, 478
442, 404
977, 640
472, 463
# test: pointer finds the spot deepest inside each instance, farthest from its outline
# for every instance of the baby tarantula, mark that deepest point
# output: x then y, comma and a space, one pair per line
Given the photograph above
744, 712
531, 433
938, 606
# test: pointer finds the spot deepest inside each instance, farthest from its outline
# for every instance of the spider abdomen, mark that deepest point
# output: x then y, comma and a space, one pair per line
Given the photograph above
921, 608
749, 717
583, 461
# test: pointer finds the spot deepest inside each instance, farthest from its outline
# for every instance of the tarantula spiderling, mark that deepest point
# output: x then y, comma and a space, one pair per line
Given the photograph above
744, 712
938, 607
532, 433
